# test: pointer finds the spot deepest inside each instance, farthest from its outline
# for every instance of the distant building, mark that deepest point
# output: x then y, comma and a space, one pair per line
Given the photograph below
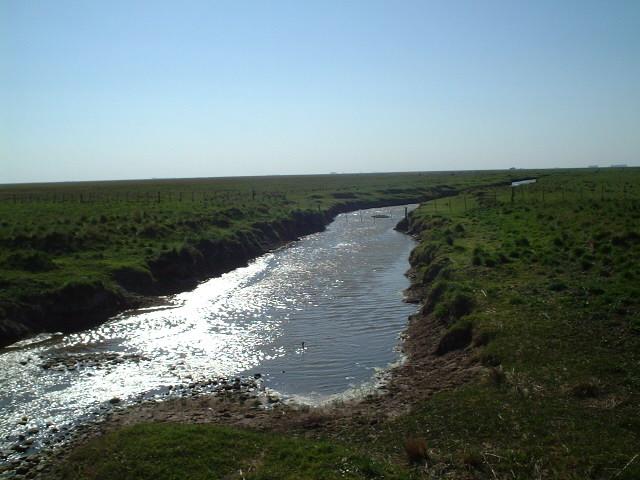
618, 165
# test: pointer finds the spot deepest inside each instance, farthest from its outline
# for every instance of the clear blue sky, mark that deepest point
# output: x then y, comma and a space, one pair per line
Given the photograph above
133, 89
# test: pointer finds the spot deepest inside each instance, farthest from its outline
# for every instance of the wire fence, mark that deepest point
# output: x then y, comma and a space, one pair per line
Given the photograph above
535, 194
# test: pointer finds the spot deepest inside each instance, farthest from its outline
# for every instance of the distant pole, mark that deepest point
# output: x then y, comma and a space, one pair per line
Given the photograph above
513, 192
406, 212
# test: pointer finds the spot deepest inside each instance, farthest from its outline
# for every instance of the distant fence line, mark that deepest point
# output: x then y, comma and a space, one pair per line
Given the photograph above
139, 197
533, 194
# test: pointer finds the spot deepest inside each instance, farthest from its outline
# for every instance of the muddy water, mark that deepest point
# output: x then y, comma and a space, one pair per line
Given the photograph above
338, 291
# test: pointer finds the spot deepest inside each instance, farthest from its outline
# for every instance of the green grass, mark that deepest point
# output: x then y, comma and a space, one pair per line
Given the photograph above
163, 451
555, 286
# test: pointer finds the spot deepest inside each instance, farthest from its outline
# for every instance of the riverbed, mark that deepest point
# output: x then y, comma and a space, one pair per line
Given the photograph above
316, 320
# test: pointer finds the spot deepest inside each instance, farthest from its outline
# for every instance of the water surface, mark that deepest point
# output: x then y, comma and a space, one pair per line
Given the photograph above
338, 291
523, 182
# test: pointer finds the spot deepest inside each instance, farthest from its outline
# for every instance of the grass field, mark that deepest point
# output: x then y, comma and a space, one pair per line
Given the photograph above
207, 452
542, 288
546, 290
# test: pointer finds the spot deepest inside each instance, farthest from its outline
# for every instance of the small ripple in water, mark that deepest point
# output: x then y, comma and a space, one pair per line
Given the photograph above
338, 291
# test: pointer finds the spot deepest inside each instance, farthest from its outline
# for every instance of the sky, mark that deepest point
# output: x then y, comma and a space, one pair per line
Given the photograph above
93, 90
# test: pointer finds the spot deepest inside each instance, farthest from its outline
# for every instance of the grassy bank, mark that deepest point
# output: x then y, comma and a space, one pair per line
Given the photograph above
536, 292
68, 251
543, 288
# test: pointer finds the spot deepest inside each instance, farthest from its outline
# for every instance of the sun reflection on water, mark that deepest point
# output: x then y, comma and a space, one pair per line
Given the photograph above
339, 291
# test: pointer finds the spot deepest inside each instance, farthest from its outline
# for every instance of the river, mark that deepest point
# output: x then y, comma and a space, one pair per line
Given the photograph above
338, 291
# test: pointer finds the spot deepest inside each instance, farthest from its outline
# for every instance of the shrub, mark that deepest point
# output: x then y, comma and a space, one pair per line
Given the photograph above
457, 337
461, 304
434, 296
489, 359
437, 269
557, 286
516, 300
496, 376
30, 261
416, 450
482, 338
473, 460
578, 251
490, 262
585, 264
585, 390
449, 301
